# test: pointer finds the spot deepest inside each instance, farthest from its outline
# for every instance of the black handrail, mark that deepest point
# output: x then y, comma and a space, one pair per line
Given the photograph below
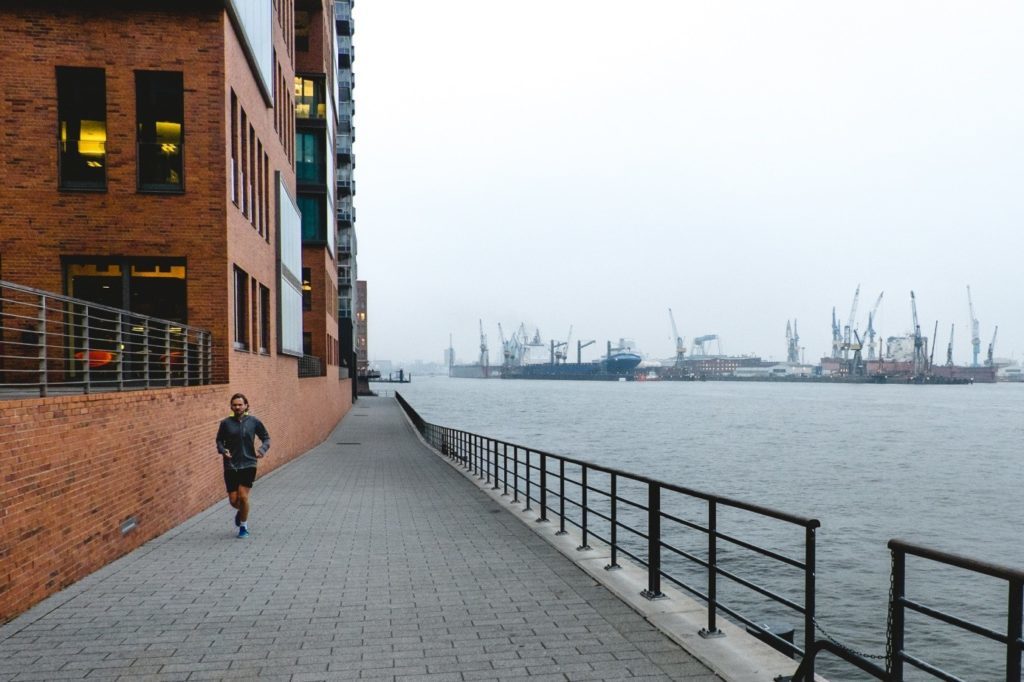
900, 603
531, 476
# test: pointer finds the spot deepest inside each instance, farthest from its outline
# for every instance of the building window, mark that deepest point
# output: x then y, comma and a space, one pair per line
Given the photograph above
82, 127
234, 147
241, 309
302, 31
160, 119
309, 163
313, 224
310, 99
307, 343
307, 289
264, 319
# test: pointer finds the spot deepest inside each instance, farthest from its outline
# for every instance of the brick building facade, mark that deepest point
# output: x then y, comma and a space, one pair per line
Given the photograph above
152, 165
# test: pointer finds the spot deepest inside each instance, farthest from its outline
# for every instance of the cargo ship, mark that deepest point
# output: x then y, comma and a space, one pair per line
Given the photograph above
619, 363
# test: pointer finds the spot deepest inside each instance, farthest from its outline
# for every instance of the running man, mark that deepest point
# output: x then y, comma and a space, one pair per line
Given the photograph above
237, 446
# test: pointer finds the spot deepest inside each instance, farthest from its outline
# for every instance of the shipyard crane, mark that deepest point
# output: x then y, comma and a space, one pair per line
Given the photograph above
918, 340
701, 340
680, 348
933, 341
870, 332
949, 348
484, 356
580, 345
989, 362
856, 367
560, 349
848, 329
792, 344
837, 336
975, 330
507, 352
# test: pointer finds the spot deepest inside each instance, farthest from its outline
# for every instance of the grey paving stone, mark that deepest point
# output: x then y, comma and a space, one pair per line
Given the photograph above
374, 562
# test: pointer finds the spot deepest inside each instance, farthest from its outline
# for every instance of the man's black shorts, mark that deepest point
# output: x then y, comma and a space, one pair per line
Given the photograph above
236, 477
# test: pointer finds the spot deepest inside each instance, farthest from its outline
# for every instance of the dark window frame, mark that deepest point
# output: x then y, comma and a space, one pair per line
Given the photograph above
241, 303
149, 86
72, 84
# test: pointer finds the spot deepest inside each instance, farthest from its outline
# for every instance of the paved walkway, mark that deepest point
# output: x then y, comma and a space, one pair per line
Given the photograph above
370, 558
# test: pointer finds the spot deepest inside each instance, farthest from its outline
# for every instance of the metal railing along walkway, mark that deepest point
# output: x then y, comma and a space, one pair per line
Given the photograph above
585, 495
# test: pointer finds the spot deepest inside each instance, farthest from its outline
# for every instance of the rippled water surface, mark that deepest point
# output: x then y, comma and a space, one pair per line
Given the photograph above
936, 465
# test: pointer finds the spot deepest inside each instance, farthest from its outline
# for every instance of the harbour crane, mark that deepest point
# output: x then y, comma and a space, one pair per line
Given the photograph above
991, 348
870, 332
792, 344
934, 339
856, 367
680, 348
580, 345
560, 349
975, 330
837, 336
949, 348
484, 356
918, 340
507, 352
848, 329
701, 340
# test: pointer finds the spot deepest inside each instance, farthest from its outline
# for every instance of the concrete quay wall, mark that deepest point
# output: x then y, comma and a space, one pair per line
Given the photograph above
76, 472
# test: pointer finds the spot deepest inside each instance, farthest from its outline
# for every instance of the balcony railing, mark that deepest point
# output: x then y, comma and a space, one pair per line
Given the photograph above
310, 366
57, 344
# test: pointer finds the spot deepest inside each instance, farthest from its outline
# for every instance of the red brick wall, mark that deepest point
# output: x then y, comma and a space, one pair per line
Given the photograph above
74, 468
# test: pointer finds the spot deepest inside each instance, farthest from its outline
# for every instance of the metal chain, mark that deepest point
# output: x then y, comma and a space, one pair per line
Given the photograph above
843, 646
887, 656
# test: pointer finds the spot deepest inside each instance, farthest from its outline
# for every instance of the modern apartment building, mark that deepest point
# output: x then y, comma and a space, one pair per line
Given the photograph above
346, 185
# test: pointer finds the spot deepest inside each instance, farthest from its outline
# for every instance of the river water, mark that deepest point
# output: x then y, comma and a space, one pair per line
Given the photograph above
935, 465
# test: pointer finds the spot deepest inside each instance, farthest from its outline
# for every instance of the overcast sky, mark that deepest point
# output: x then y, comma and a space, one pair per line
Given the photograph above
593, 163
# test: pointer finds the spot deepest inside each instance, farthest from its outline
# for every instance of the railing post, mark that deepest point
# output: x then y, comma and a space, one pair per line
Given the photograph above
614, 531
583, 508
712, 629
187, 365
515, 473
653, 590
561, 497
208, 357
543, 487
167, 353
145, 355
529, 479
120, 348
895, 644
41, 336
86, 371
810, 598
494, 445
1013, 630
504, 452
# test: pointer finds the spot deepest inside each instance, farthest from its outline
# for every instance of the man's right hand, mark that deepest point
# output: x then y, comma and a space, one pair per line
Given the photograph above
227, 455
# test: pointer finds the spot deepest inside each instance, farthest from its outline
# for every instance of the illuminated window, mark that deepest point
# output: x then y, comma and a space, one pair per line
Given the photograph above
307, 289
160, 119
310, 100
82, 127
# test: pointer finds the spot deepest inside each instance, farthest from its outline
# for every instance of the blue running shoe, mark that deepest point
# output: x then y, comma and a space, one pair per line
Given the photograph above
243, 532
238, 521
